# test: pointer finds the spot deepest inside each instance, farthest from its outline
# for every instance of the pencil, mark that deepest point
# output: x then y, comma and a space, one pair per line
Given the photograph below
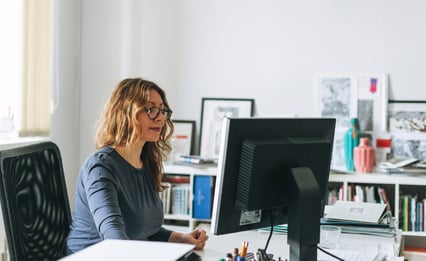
244, 249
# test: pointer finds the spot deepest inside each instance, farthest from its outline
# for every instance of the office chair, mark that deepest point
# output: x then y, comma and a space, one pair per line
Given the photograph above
34, 201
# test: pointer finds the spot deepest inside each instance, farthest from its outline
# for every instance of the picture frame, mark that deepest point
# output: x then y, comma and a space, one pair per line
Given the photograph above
183, 139
213, 110
407, 128
351, 95
407, 116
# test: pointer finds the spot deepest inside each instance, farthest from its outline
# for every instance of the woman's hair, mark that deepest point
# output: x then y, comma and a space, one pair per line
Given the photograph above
117, 124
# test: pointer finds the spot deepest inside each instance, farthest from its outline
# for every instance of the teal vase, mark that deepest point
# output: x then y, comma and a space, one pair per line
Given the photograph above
351, 140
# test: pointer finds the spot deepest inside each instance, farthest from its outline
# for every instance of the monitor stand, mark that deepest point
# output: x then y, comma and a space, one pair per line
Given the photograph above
304, 214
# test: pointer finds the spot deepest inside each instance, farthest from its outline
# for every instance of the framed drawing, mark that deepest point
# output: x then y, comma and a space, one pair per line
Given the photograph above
407, 127
407, 116
213, 110
183, 140
346, 96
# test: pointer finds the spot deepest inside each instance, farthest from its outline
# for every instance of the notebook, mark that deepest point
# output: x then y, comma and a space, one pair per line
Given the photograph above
365, 212
129, 250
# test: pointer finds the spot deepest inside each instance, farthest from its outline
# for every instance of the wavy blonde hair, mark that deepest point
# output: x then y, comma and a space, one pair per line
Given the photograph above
117, 123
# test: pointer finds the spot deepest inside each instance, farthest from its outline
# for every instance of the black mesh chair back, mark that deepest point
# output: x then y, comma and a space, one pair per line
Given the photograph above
34, 202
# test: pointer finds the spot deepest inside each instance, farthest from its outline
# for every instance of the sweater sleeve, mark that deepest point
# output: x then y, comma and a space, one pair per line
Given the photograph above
102, 199
162, 235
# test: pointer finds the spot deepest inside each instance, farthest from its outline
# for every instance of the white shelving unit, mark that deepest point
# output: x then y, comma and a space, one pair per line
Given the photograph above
395, 184
186, 223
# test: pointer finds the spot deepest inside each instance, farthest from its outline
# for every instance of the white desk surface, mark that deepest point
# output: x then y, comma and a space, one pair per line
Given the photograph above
352, 246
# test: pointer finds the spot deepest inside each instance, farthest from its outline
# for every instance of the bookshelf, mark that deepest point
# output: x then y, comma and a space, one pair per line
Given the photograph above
395, 186
195, 207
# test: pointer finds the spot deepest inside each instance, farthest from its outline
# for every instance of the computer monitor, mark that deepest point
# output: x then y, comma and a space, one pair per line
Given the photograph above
274, 171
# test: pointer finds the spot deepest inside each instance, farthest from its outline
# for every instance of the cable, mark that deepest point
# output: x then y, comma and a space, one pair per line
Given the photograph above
330, 254
270, 233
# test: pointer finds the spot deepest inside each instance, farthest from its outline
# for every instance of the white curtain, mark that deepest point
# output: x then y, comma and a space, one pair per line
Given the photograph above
36, 68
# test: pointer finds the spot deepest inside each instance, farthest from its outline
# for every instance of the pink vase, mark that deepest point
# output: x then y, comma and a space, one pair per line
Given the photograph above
364, 156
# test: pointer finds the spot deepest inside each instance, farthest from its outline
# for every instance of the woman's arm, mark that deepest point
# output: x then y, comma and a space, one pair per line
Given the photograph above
103, 204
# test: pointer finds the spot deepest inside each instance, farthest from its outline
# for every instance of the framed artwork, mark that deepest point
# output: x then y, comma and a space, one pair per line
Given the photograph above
346, 96
407, 127
213, 110
183, 139
407, 116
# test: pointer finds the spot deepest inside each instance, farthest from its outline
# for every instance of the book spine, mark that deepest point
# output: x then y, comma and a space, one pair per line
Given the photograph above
179, 199
384, 198
413, 214
424, 214
419, 215
405, 214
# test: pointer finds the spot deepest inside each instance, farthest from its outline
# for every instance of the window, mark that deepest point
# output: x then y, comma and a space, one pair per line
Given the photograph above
25, 65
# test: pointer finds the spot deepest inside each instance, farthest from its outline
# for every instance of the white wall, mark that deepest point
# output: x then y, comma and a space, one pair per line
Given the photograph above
267, 50
66, 86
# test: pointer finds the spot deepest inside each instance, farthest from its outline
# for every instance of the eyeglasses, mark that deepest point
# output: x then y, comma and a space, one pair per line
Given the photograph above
153, 113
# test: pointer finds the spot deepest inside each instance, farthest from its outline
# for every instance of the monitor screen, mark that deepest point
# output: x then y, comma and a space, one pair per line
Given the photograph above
273, 171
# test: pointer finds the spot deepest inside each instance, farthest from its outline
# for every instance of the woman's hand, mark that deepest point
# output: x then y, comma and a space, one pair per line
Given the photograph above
197, 237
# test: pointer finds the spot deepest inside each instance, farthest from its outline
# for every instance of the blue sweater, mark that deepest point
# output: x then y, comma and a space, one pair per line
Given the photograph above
114, 200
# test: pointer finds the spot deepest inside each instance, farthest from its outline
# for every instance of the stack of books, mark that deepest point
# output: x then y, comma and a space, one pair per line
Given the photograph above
402, 165
361, 218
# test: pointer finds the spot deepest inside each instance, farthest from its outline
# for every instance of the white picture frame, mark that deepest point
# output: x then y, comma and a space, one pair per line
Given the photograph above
183, 139
407, 128
351, 95
213, 110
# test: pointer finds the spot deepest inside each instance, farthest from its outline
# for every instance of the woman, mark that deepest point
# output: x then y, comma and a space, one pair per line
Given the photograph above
117, 189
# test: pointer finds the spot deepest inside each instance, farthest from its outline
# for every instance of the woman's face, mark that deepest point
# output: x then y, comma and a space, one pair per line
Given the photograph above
150, 129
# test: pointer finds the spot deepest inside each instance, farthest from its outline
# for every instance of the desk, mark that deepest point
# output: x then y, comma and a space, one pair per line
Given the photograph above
352, 246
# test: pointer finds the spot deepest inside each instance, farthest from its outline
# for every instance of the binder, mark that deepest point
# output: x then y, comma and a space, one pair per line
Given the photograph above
203, 196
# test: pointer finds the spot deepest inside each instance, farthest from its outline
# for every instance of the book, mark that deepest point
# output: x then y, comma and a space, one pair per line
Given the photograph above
203, 196
414, 253
375, 231
194, 160
363, 212
176, 179
424, 214
344, 223
165, 197
384, 198
396, 163
180, 199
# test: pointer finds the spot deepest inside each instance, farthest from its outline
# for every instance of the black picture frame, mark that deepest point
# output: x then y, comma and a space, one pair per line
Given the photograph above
183, 139
213, 110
